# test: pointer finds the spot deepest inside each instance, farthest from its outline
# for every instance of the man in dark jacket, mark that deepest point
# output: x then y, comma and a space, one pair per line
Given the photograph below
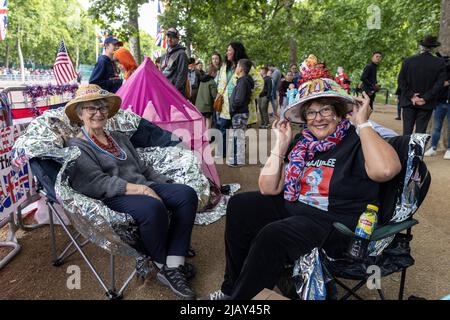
369, 77
105, 73
239, 100
175, 61
421, 80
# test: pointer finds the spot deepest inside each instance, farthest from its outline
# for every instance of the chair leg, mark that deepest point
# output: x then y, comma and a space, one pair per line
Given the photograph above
56, 262
351, 292
402, 285
80, 250
381, 294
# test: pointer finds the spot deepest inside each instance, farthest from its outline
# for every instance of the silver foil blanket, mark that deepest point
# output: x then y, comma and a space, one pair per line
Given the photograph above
46, 136
182, 166
50, 132
309, 277
214, 214
407, 203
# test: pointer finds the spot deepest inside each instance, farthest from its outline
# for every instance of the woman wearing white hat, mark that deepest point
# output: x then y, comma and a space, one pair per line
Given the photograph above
329, 174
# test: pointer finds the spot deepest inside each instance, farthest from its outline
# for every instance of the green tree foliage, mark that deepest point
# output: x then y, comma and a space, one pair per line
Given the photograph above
42, 24
123, 13
337, 32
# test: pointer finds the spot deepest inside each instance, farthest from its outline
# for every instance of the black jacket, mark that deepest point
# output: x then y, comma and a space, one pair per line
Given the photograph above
267, 90
175, 67
105, 75
423, 74
369, 78
240, 98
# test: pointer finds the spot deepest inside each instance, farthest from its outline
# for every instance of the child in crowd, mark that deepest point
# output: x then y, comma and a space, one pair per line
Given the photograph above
291, 93
264, 98
239, 100
207, 92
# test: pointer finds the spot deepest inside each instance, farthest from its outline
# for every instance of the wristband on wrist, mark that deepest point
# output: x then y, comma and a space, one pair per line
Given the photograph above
363, 125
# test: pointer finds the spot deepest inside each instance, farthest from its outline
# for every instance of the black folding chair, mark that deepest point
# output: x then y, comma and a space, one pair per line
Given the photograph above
396, 256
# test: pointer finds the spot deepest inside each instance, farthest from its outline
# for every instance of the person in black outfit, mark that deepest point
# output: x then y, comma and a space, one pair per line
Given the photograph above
421, 80
298, 203
105, 73
369, 77
175, 62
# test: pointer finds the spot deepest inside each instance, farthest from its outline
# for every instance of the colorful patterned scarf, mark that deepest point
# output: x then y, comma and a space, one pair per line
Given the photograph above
304, 151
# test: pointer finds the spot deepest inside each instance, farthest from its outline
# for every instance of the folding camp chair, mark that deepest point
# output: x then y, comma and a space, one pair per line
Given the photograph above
46, 170
396, 256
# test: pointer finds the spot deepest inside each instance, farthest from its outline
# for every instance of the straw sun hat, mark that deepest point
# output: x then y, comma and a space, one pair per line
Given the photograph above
92, 92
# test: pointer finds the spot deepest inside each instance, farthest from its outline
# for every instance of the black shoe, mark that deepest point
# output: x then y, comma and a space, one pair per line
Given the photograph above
176, 280
398, 118
188, 270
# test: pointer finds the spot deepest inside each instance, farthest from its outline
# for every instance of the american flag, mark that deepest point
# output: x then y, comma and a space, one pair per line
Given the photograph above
3, 18
63, 67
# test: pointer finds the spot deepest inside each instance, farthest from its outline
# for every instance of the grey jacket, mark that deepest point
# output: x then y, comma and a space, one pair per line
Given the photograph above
99, 176
175, 67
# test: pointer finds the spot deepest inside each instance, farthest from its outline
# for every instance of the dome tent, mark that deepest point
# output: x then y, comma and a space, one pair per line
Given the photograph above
150, 95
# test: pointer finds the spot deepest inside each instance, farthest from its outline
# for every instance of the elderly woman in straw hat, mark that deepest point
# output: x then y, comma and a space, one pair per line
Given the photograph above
329, 174
109, 169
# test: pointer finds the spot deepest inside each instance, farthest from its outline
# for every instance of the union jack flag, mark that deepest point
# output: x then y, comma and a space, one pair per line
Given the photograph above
63, 67
3, 19
14, 184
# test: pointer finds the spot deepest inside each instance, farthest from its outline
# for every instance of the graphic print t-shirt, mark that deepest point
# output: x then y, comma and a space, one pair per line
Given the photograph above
336, 181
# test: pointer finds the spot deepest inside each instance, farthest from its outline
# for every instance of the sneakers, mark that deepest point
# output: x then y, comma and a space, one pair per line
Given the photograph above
176, 280
447, 155
431, 152
217, 295
188, 270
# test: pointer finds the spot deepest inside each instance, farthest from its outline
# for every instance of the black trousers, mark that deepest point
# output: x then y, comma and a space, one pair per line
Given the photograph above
264, 233
415, 116
160, 235
372, 100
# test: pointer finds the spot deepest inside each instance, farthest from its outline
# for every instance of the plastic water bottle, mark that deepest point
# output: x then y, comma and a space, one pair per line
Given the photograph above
364, 229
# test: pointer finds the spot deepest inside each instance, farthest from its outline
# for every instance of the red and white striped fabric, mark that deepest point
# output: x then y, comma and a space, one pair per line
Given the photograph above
63, 67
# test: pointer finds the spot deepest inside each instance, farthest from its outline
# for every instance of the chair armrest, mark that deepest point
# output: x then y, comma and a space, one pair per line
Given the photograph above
380, 233
343, 229
392, 229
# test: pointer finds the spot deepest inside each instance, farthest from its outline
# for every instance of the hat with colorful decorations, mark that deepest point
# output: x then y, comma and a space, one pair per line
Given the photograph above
317, 83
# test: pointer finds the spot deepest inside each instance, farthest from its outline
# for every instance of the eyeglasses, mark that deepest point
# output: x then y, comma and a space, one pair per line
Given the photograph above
326, 111
93, 110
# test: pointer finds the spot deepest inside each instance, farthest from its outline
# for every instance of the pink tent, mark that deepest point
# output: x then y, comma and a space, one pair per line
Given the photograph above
150, 95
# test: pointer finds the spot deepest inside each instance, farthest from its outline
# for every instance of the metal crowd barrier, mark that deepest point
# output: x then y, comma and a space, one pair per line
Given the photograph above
13, 99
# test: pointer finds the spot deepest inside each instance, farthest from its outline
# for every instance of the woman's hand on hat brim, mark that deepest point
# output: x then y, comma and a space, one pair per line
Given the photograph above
361, 110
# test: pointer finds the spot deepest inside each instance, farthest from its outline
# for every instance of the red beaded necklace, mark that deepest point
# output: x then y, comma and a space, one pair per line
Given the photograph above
110, 147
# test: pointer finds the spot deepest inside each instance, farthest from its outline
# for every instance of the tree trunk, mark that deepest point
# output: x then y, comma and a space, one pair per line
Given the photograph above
7, 55
444, 37
293, 51
188, 47
19, 52
135, 42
